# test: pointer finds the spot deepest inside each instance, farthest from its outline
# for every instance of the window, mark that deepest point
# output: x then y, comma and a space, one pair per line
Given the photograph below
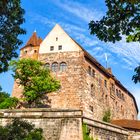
35, 51
89, 70
105, 83
122, 110
93, 73
106, 99
117, 92
112, 87
47, 65
63, 66
60, 47
133, 117
51, 48
91, 108
100, 81
54, 67
56, 38
92, 89
25, 51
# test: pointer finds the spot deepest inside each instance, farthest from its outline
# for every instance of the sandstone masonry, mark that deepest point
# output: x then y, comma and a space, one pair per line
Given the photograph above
85, 84
64, 124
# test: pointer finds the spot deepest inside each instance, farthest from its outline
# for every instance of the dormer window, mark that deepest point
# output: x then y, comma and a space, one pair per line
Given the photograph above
51, 48
60, 47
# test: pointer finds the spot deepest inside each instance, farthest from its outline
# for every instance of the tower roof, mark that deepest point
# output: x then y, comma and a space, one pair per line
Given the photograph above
33, 41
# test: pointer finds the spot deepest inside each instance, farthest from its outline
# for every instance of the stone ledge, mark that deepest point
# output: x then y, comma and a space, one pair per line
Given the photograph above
104, 125
40, 113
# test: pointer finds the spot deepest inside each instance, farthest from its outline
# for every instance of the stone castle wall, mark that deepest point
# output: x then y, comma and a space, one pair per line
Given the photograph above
72, 82
82, 90
98, 97
85, 84
85, 91
64, 124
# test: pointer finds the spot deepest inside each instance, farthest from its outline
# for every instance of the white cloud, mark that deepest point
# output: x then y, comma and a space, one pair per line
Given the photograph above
84, 12
128, 52
42, 19
79, 33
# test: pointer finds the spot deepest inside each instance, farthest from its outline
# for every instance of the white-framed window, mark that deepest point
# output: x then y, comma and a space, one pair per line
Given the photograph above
63, 66
60, 47
51, 48
54, 67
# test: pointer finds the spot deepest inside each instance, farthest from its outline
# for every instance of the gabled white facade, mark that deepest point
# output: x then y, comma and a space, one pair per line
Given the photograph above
58, 37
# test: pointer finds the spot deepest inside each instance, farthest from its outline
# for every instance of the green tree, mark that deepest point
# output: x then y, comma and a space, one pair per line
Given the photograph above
6, 101
122, 18
35, 79
11, 17
20, 130
136, 77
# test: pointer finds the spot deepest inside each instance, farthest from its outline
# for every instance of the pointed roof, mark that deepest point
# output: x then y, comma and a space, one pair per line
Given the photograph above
33, 41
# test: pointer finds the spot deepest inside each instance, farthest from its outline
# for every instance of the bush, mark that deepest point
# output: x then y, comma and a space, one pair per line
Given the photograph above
107, 116
20, 130
6, 101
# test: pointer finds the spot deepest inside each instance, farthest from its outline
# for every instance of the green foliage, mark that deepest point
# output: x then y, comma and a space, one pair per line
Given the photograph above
86, 133
35, 79
136, 77
6, 101
135, 37
122, 18
107, 116
20, 130
11, 17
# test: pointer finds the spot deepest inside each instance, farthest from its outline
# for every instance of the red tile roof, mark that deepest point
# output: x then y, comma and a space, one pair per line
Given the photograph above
33, 41
128, 124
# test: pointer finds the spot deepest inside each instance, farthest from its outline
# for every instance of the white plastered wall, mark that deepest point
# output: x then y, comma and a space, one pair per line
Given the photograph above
63, 39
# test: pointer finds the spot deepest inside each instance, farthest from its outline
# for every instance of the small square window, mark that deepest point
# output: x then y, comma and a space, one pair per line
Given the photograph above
60, 47
51, 48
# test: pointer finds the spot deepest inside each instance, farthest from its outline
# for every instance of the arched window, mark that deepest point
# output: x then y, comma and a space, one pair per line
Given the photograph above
63, 66
47, 65
54, 67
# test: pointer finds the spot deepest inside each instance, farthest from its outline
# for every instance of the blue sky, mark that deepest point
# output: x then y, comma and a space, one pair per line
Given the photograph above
74, 16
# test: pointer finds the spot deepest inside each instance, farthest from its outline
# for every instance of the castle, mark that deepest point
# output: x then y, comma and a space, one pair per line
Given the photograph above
85, 83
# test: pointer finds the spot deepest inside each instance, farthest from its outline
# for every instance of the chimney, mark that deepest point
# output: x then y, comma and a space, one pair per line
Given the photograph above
109, 70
